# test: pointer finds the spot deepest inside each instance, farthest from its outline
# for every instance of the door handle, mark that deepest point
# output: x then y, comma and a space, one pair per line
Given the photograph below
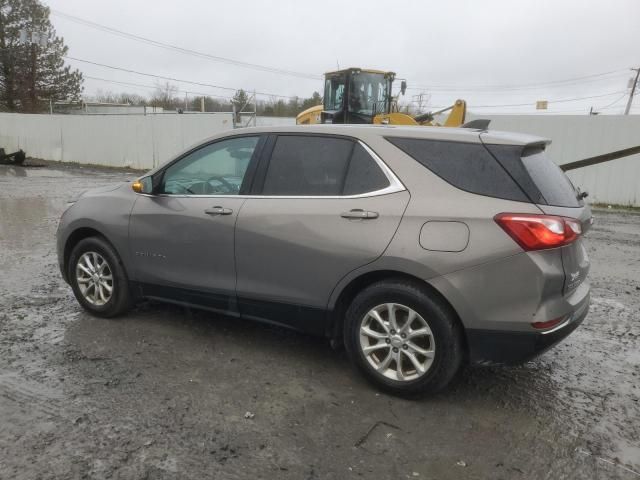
218, 211
358, 213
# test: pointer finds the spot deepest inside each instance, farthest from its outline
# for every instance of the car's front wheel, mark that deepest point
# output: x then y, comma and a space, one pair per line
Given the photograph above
98, 279
404, 339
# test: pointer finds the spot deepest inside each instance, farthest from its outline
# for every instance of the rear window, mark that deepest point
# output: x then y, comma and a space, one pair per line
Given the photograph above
553, 183
468, 166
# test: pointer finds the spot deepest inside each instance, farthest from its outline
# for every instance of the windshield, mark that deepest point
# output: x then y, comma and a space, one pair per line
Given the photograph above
333, 91
368, 93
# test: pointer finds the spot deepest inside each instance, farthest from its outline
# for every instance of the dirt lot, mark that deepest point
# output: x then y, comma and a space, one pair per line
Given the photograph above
163, 392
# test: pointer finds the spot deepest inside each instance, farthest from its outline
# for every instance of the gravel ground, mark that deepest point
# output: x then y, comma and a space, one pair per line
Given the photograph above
164, 392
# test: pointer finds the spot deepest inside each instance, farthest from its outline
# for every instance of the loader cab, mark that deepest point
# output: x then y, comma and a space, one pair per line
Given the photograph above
356, 96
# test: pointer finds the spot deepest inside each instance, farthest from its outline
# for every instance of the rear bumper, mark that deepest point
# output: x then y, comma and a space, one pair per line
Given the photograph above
499, 347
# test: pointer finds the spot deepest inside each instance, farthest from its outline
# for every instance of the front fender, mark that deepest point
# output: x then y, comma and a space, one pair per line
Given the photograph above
107, 215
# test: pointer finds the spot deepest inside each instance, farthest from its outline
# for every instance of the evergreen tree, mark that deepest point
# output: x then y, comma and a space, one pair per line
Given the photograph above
33, 73
240, 100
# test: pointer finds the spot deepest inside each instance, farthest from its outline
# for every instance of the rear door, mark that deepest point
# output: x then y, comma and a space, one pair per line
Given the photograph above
326, 206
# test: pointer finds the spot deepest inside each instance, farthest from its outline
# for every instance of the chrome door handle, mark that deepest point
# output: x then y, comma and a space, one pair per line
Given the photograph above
218, 211
359, 214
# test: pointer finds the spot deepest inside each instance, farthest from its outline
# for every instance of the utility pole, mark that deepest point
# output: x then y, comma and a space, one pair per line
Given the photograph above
633, 91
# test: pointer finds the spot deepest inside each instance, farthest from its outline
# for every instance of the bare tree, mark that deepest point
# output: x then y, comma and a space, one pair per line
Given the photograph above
108, 96
165, 96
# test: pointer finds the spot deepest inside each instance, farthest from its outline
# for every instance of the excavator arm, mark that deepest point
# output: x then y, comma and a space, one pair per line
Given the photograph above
456, 117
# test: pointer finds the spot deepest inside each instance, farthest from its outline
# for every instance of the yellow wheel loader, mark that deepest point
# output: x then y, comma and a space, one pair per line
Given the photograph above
357, 95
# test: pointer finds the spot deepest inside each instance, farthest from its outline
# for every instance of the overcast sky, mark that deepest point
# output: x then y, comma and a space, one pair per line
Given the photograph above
489, 52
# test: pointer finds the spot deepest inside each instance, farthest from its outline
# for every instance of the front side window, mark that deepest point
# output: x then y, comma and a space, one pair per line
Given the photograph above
215, 169
321, 166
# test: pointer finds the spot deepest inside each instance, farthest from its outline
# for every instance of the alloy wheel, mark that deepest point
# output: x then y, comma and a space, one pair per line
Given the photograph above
397, 342
95, 278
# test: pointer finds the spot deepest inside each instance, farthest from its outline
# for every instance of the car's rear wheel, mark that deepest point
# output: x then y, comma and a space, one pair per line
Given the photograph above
98, 279
404, 339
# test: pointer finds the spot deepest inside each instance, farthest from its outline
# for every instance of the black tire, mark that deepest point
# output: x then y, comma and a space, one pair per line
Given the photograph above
121, 299
440, 318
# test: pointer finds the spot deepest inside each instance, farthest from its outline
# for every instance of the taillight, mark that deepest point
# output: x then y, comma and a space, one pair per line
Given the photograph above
538, 232
548, 324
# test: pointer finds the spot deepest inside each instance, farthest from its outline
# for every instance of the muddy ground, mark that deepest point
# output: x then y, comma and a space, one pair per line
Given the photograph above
163, 392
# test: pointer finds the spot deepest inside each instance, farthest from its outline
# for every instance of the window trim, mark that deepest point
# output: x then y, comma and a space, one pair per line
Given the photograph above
260, 162
395, 185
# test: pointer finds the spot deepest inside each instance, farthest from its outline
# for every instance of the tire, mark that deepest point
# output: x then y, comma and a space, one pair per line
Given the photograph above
438, 336
97, 251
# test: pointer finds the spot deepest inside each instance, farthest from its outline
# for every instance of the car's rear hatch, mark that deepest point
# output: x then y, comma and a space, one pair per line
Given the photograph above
551, 190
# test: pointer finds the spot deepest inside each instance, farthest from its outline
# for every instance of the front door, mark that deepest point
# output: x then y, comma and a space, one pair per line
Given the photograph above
182, 238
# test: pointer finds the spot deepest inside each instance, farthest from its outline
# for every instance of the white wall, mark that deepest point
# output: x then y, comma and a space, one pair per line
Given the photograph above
577, 137
275, 121
137, 141
146, 141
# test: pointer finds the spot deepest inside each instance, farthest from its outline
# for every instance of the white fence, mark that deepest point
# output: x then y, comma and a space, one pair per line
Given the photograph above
145, 141
577, 137
136, 141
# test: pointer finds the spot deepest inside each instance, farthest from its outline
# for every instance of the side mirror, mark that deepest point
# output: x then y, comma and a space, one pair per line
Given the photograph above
403, 87
143, 185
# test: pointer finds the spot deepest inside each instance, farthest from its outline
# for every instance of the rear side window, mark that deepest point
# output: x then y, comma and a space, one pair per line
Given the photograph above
364, 174
553, 183
467, 166
321, 166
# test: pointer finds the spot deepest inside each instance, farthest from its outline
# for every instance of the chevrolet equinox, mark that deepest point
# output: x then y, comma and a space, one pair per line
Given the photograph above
417, 248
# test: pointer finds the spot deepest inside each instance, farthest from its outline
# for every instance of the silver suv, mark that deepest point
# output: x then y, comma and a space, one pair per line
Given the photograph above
417, 248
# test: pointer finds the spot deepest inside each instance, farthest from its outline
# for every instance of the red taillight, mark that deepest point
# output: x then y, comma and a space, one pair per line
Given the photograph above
547, 324
537, 232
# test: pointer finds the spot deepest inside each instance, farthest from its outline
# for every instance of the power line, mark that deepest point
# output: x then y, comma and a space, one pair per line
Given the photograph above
153, 87
583, 79
532, 102
187, 51
492, 91
123, 34
528, 104
162, 77
562, 100
612, 104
